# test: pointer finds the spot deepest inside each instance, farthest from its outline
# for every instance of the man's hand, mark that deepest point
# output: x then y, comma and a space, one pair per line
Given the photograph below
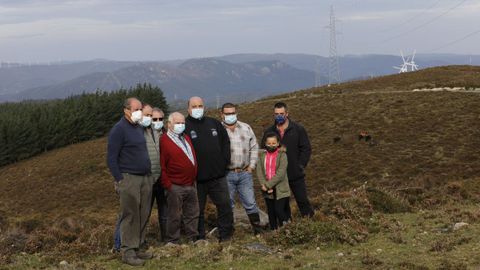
116, 186
270, 191
249, 169
264, 188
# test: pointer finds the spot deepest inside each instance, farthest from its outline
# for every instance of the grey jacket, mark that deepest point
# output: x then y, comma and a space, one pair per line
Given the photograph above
152, 137
280, 181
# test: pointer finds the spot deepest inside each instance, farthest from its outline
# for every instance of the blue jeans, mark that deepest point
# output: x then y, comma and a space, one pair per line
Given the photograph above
242, 182
117, 242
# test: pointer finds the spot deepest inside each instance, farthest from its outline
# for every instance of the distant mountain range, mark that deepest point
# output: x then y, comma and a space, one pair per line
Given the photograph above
238, 77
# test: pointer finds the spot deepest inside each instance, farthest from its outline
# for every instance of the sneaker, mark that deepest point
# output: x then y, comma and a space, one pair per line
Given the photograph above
171, 244
200, 242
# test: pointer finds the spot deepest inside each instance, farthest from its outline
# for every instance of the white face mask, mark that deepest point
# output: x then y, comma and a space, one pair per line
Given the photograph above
178, 128
137, 116
146, 121
157, 125
197, 113
230, 119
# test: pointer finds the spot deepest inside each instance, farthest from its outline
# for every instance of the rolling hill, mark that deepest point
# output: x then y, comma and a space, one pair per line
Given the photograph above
238, 77
208, 77
424, 150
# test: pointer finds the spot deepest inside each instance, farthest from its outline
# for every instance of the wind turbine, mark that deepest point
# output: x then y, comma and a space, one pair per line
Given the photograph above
407, 63
413, 66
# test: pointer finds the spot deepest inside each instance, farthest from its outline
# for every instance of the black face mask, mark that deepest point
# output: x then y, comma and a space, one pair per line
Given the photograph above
271, 149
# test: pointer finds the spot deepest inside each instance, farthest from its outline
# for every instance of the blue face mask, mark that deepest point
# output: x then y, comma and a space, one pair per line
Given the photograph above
179, 128
197, 113
157, 125
230, 119
280, 119
146, 121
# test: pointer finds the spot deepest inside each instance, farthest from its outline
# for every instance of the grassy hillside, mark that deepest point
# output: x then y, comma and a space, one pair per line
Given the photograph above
423, 160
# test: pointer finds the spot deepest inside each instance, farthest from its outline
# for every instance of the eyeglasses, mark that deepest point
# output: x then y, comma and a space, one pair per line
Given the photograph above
157, 119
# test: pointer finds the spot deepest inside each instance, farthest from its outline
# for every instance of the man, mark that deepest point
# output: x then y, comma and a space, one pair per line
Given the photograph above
129, 164
294, 138
212, 146
158, 191
179, 170
244, 154
152, 137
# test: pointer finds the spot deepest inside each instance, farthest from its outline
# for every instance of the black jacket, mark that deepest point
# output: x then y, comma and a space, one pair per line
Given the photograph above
296, 141
212, 147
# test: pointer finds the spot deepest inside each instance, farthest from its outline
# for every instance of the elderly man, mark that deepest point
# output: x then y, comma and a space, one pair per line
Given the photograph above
179, 170
244, 152
212, 146
294, 137
152, 132
158, 191
130, 166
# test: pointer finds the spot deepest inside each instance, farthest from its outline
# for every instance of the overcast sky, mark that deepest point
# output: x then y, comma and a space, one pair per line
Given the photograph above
50, 30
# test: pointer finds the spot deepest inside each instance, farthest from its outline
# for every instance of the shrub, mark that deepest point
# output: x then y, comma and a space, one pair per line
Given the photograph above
387, 202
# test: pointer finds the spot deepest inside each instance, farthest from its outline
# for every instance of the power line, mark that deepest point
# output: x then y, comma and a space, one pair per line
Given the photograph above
457, 40
334, 70
412, 18
427, 22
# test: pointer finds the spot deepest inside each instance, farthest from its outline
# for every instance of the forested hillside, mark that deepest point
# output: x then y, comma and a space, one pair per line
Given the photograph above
31, 127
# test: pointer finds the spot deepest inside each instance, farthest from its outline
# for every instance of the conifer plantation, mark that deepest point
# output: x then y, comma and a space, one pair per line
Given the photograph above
31, 127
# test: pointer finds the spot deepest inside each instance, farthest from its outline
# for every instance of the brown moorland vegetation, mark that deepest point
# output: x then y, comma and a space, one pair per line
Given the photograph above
423, 155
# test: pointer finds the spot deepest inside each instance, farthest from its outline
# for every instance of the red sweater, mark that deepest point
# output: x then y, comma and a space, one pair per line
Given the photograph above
176, 166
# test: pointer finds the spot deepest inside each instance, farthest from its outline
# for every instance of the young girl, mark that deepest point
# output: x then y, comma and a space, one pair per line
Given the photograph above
272, 174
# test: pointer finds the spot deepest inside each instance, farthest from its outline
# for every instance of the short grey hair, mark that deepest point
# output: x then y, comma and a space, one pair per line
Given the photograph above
173, 114
156, 109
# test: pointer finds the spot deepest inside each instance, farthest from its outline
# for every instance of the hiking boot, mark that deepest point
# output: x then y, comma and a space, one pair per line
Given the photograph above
130, 258
256, 225
225, 240
144, 255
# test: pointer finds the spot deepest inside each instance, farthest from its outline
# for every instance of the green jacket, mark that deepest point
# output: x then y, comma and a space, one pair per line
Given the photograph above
153, 147
280, 181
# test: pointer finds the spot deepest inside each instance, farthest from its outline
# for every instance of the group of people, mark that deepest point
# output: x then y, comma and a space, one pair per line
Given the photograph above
191, 158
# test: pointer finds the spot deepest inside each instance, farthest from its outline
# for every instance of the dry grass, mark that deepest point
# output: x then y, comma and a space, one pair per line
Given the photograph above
424, 156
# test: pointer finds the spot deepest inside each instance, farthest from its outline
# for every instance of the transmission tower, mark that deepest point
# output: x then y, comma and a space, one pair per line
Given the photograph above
334, 70
317, 72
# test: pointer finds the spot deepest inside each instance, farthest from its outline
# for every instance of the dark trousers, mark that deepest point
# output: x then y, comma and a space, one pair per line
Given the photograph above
217, 190
299, 190
278, 212
182, 206
158, 196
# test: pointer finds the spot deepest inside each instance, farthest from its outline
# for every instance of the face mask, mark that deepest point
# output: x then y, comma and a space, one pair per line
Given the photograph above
157, 125
280, 119
178, 128
136, 116
271, 149
230, 119
197, 113
146, 121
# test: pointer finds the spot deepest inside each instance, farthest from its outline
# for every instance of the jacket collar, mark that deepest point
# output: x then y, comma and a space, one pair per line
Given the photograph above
201, 120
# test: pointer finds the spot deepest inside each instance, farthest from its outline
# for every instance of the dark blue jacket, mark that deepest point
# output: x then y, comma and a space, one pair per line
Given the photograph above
127, 150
